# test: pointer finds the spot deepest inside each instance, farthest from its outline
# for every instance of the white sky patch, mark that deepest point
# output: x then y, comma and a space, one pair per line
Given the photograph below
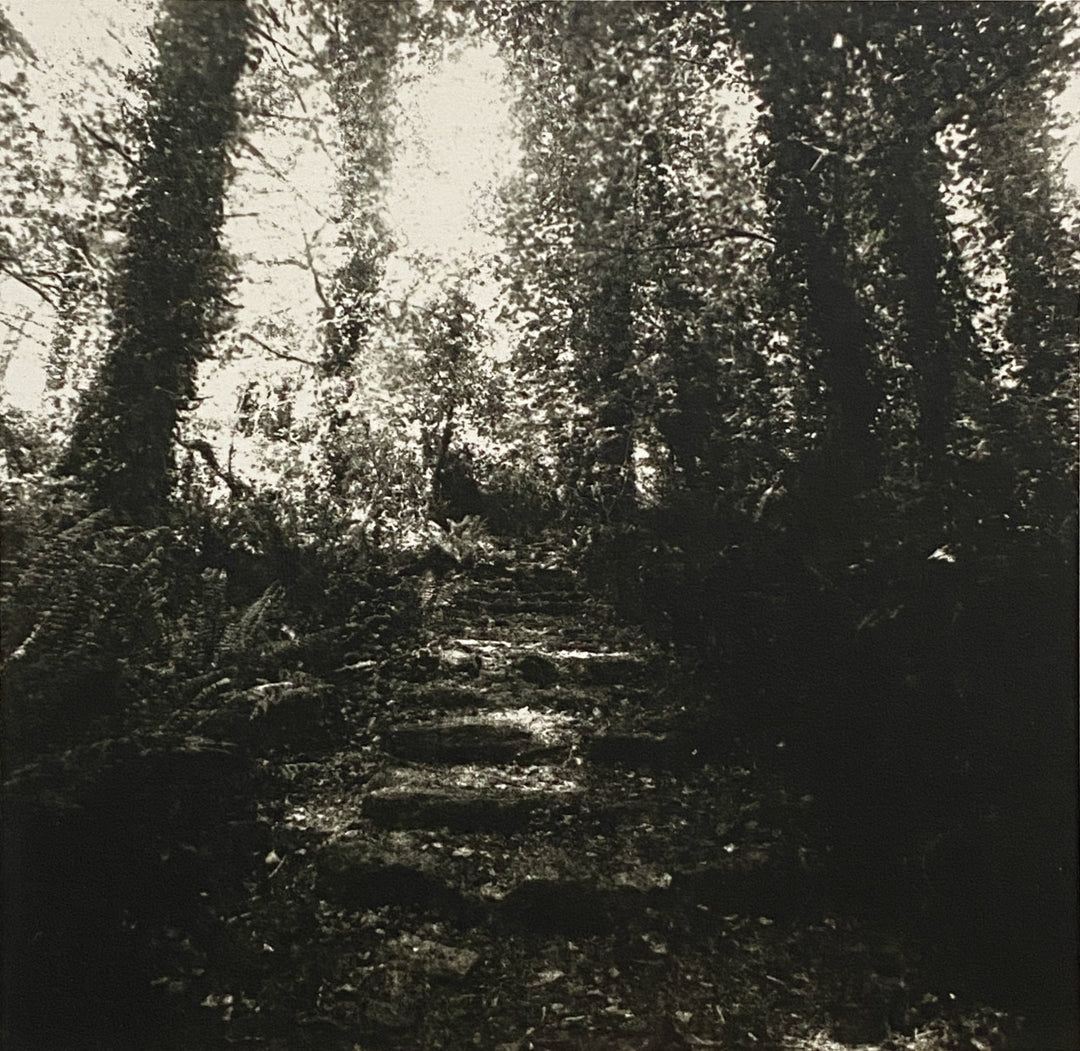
67, 33
457, 146
278, 213
1068, 107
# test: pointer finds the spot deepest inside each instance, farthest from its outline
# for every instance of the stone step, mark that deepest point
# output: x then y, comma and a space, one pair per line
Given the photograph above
514, 604
494, 645
584, 624
499, 736
591, 667
540, 659
441, 696
541, 577
483, 695
361, 875
470, 798
546, 888
484, 664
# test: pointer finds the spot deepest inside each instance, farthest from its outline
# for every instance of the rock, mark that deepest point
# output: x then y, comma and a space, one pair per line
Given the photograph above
460, 662
359, 875
454, 808
540, 671
463, 741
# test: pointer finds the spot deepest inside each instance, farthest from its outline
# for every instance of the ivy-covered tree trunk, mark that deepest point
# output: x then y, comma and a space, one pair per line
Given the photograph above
606, 362
814, 197
1029, 215
170, 296
362, 54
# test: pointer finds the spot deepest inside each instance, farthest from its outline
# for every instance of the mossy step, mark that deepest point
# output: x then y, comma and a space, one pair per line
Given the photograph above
501, 736
443, 698
510, 603
363, 875
578, 621
591, 667
471, 798
526, 575
359, 875
520, 591
449, 696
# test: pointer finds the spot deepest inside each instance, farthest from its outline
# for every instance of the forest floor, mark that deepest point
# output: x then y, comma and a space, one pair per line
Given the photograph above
519, 844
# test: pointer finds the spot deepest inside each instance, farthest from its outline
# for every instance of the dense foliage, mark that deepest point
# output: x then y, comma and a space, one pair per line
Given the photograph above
790, 293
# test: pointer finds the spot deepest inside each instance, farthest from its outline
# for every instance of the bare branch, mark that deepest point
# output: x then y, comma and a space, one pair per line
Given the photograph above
315, 276
107, 143
259, 31
20, 331
237, 486
283, 355
23, 280
278, 174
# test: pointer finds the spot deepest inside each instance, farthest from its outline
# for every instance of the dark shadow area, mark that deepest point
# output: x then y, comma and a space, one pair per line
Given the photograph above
933, 717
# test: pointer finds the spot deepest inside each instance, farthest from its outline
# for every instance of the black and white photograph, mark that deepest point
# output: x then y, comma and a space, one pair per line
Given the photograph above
539, 525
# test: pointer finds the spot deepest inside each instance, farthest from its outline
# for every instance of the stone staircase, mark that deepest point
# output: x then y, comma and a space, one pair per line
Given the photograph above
522, 848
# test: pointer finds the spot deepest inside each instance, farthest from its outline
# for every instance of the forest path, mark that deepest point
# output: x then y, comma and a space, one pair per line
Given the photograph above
521, 849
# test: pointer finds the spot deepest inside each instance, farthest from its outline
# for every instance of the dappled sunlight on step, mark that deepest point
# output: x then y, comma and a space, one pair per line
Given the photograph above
500, 735
479, 778
470, 797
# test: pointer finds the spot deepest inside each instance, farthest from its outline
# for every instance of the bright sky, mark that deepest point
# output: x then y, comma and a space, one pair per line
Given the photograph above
64, 32
458, 145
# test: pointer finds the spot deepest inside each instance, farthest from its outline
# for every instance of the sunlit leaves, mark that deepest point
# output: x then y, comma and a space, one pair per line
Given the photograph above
633, 224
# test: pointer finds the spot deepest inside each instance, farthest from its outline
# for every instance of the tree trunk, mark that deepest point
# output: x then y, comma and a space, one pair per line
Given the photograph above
169, 299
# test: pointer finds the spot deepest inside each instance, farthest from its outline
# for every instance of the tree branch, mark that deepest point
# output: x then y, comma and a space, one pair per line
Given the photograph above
237, 486
315, 275
23, 280
283, 355
20, 330
245, 143
259, 31
107, 143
